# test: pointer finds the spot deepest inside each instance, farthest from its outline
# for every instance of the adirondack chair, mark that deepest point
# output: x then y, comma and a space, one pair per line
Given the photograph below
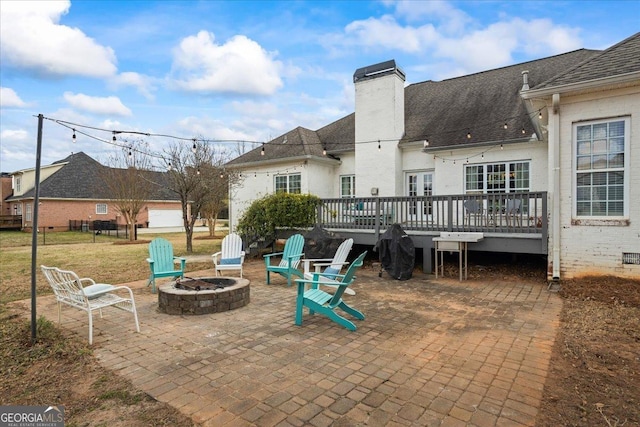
85, 294
321, 302
290, 259
231, 255
332, 266
161, 262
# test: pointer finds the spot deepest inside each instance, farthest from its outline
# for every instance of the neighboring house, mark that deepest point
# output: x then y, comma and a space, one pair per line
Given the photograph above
559, 135
73, 189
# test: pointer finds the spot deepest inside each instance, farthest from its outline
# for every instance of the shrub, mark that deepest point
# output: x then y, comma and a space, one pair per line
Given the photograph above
260, 220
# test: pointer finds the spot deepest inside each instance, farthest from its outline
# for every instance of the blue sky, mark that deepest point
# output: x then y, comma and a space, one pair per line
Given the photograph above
251, 70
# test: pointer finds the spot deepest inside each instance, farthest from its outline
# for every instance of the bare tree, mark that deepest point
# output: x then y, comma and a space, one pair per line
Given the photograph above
194, 174
127, 182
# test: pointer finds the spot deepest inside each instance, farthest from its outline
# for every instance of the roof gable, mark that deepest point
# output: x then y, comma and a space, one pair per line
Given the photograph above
82, 177
622, 58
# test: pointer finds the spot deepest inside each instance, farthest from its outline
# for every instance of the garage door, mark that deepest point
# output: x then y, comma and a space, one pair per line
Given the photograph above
165, 218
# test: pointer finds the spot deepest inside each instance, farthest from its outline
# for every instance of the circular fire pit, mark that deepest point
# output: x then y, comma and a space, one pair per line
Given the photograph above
203, 295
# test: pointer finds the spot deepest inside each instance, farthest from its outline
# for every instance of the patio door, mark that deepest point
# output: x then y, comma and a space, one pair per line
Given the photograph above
420, 184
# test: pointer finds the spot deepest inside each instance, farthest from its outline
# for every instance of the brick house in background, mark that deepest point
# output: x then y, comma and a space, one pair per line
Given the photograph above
73, 189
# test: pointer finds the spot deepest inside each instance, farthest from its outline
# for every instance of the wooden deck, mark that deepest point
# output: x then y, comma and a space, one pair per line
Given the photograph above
511, 223
10, 222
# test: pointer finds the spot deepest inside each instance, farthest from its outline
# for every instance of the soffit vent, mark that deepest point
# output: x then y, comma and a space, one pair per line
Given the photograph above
631, 258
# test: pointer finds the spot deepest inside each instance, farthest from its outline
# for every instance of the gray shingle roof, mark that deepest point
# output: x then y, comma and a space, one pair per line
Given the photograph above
622, 58
480, 103
81, 178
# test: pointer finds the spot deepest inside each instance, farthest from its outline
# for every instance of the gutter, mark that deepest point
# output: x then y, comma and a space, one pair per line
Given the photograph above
555, 185
581, 86
281, 161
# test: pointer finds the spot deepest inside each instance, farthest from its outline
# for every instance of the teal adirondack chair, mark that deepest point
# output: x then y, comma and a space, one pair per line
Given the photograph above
161, 262
321, 302
290, 259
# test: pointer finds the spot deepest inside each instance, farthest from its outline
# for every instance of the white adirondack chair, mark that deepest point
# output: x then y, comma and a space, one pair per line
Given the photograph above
231, 255
70, 290
332, 267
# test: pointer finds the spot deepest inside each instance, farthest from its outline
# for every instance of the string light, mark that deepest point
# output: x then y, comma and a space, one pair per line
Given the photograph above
73, 137
130, 152
194, 148
169, 166
198, 171
426, 142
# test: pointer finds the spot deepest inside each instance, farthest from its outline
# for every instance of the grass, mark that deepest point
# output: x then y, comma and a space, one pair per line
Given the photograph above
61, 369
108, 260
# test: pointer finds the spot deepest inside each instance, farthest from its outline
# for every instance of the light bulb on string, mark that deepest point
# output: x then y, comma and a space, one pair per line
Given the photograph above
324, 151
130, 152
540, 115
194, 145
523, 131
198, 171
425, 144
501, 146
114, 136
505, 125
262, 151
73, 137
378, 145
169, 166
221, 175
469, 135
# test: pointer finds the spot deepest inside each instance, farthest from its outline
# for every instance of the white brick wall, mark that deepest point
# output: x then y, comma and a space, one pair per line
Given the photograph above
597, 249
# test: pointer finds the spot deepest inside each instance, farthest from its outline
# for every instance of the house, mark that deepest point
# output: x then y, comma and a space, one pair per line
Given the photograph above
73, 189
548, 151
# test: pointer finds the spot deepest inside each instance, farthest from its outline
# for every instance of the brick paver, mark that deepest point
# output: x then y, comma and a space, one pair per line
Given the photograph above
430, 352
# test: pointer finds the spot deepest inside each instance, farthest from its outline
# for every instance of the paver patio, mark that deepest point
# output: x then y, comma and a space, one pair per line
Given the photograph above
429, 353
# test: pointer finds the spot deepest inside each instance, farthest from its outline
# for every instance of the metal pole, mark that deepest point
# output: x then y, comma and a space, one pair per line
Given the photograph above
34, 231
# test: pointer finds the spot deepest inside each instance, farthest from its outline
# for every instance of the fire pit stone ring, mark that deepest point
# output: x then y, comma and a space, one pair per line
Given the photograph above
203, 295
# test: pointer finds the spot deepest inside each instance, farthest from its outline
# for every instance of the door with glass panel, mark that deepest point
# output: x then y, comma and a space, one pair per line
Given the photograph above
420, 184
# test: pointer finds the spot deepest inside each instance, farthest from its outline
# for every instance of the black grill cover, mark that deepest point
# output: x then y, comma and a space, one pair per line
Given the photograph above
320, 243
397, 253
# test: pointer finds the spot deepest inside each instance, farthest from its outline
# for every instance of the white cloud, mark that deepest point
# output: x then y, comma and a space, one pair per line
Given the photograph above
97, 105
10, 99
143, 84
14, 135
387, 33
239, 66
31, 38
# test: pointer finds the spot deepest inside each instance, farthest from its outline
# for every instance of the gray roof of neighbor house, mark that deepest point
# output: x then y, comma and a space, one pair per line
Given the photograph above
445, 112
622, 58
81, 178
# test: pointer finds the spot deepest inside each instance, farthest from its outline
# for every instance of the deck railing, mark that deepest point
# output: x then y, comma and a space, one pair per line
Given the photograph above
11, 221
521, 213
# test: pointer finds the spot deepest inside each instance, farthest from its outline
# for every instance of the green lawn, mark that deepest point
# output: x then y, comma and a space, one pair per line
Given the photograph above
107, 260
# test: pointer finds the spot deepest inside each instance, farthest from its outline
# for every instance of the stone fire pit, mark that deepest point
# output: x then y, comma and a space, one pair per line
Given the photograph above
203, 295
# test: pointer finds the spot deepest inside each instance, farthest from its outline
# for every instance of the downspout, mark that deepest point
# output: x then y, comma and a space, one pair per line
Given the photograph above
555, 197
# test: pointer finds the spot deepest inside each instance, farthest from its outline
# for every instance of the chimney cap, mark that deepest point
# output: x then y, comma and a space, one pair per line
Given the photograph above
377, 70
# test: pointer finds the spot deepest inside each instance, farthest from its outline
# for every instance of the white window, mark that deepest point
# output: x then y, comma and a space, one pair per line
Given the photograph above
601, 171
504, 177
27, 214
18, 209
348, 186
18, 182
101, 208
288, 183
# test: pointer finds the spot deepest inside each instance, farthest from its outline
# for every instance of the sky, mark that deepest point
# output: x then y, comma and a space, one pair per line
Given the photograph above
229, 71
